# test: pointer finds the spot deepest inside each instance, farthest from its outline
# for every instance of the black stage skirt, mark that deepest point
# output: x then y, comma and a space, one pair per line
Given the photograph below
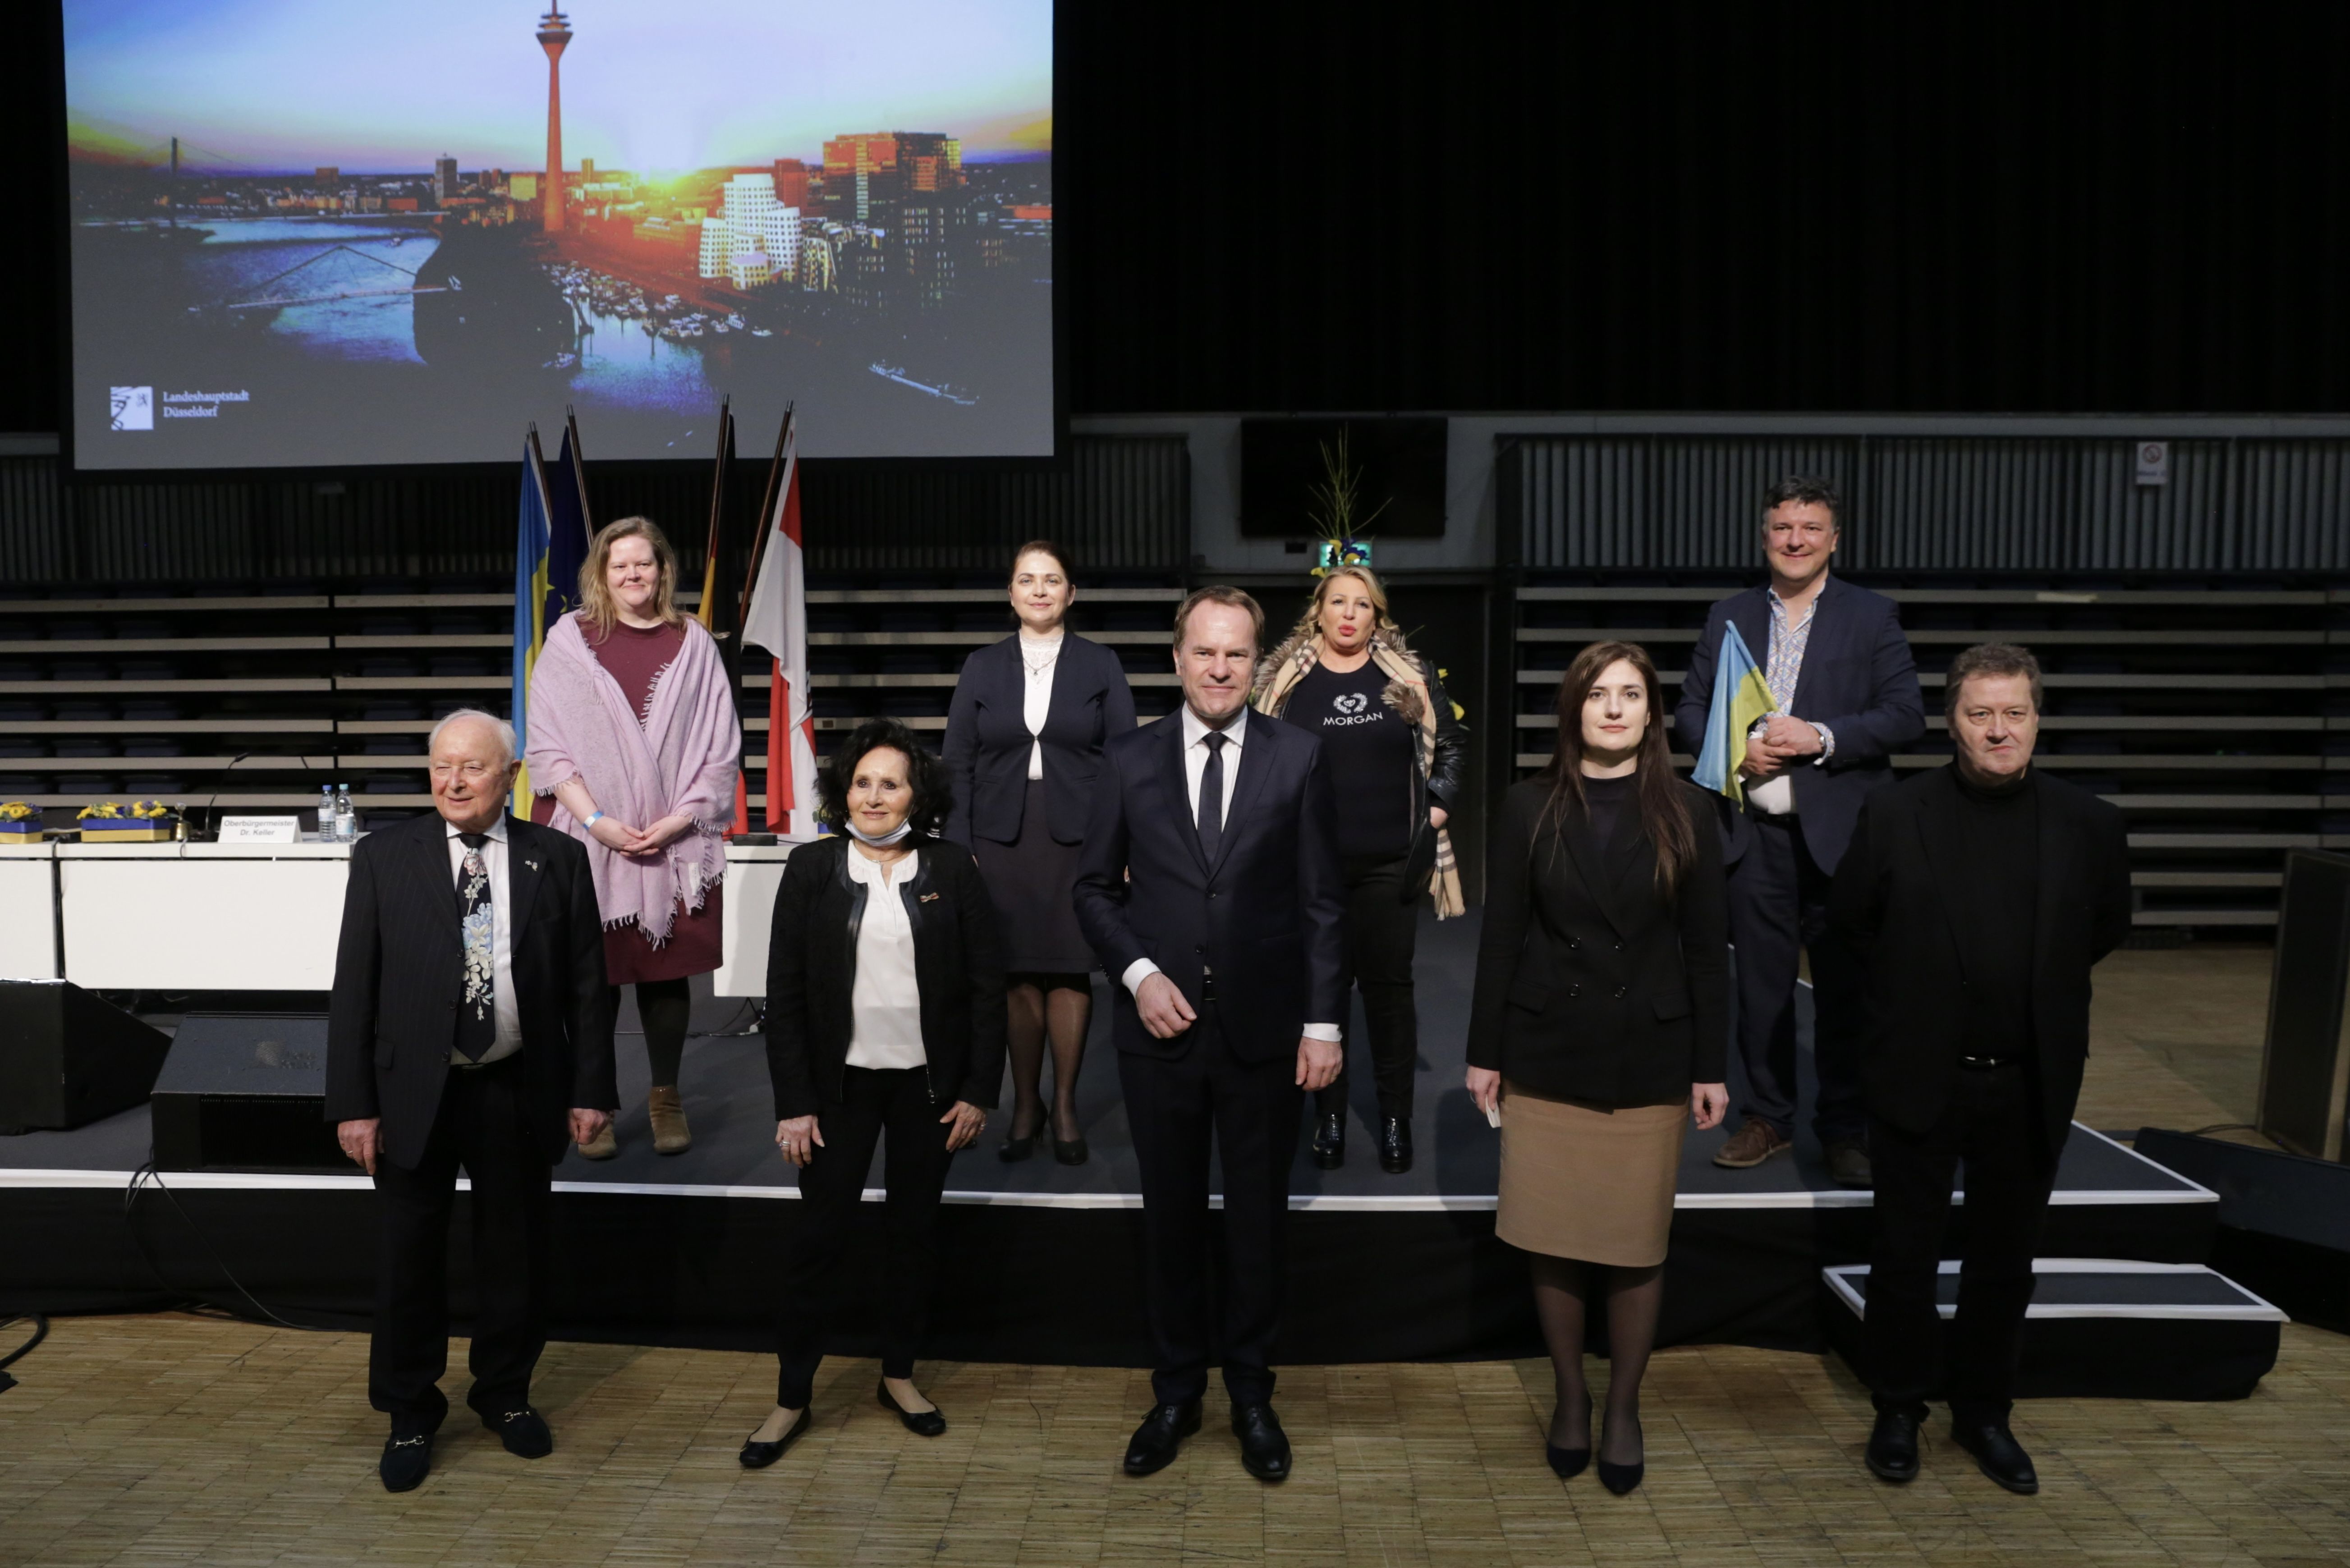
1032, 881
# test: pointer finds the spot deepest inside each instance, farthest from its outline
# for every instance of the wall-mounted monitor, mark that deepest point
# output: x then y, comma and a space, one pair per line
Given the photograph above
305, 234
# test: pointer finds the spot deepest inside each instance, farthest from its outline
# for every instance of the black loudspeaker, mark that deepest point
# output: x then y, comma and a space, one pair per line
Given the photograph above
2285, 1220
247, 1091
2304, 1100
67, 1058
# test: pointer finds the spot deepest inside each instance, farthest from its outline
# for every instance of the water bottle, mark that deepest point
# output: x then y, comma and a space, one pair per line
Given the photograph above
325, 814
347, 820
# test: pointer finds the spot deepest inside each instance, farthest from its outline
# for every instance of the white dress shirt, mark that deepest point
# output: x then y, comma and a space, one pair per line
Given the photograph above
885, 1006
493, 855
1776, 796
1195, 763
1039, 657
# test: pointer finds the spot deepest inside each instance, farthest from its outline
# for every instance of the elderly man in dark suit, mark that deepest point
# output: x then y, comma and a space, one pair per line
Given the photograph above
470, 1026
1977, 897
1211, 889
1845, 691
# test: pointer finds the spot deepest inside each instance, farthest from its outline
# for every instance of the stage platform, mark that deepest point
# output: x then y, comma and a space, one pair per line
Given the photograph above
1039, 1261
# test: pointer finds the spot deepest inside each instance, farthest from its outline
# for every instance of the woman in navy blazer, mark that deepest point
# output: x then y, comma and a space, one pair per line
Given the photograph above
1024, 746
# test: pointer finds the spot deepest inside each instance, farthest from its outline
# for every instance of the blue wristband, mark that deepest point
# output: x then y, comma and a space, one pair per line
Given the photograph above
593, 818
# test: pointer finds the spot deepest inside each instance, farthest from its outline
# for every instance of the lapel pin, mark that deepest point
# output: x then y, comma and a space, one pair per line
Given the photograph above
927, 897
532, 864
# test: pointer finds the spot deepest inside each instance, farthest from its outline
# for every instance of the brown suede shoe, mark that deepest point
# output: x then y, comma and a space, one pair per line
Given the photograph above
1751, 1145
605, 1145
667, 1112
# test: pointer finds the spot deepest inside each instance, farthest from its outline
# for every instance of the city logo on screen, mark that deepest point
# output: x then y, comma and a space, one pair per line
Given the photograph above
133, 408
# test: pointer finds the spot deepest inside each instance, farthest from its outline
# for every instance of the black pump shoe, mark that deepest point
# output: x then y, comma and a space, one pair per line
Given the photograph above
1395, 1145
1016, 1149
1073, 1152
921, 1423
758, 1455
1330, 1140
1622, 1479
1569, 1463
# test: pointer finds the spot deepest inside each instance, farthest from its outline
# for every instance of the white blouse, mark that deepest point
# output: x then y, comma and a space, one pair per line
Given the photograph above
1039, 656
885, 1007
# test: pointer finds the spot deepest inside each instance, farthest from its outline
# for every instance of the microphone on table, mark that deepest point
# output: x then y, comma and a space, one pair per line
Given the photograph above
220, 782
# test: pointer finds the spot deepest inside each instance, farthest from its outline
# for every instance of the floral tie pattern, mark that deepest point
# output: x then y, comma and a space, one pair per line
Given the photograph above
477, 1014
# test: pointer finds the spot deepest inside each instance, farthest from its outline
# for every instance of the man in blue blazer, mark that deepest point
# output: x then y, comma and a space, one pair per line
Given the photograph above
1211, 890
1844, 698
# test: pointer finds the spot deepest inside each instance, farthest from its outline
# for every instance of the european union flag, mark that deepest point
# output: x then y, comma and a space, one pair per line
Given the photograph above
1739, 697
534, 539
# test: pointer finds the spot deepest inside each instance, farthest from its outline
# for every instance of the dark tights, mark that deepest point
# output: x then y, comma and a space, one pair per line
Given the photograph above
1042, 1006
663, 1005
1563, 1288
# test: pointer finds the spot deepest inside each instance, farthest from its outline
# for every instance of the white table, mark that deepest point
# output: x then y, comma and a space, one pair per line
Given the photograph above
251, 917
202, 916
29, 912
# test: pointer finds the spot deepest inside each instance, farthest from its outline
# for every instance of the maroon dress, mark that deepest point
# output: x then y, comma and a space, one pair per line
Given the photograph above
634, 657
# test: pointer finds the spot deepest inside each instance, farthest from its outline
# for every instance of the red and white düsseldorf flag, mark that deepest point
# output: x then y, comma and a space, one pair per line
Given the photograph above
776, 620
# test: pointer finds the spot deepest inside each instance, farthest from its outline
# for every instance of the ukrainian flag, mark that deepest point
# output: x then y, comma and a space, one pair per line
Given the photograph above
534, 538
1739, 697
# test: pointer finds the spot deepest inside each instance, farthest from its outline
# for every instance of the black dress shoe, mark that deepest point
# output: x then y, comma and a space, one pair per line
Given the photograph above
405, 1461
1016, 1149
522, 1432
1892, 1452
1155, 1442
1568, 1463
921, 1423
1395, 1145
1073, 1152
1264, 1447
1849, 1164
758, 1455
1330, 1140
2000, 1456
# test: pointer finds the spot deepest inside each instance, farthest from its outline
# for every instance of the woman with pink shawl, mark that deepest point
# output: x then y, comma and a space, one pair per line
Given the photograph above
634, 745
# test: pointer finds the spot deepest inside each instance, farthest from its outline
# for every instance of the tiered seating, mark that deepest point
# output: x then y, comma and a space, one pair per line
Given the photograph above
2218, 720
255, 700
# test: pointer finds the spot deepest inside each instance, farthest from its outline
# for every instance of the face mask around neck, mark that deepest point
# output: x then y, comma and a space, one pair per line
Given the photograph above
884, 840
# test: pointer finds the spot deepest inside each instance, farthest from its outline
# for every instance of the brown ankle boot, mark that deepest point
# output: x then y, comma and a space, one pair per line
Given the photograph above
667, 1111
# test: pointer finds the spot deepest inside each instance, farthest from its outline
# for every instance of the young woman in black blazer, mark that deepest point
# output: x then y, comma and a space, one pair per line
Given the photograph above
1599, 1023
884, 1015
1024, 746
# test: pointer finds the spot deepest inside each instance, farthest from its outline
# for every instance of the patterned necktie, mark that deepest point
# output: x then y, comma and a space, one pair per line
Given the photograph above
1212, 796
477, 1011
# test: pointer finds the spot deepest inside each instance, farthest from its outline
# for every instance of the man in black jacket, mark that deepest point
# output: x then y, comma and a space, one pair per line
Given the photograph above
1845, 694
1978, 896
1210, 891
470, 1026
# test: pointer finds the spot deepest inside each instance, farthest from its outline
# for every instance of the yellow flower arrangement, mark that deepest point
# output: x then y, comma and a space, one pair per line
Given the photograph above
18, 811
113, 811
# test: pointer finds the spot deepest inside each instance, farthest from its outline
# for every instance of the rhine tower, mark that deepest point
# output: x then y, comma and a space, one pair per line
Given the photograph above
554, 32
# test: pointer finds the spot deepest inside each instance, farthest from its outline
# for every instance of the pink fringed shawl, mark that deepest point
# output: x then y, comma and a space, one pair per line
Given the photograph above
680, 759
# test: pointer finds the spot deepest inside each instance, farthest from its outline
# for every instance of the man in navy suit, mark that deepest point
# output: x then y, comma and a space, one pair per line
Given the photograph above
1844, 698
1211, 890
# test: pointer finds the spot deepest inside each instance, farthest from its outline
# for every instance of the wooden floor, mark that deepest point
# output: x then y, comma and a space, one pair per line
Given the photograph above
173, 1439
180, 1440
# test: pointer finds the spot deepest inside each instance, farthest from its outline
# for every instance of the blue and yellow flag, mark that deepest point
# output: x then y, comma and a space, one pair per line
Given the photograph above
1739, 697
533, 538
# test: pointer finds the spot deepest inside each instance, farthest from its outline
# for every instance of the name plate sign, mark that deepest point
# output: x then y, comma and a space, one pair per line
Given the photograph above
260, 830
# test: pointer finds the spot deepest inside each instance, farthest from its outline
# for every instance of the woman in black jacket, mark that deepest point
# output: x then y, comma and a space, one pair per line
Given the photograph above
1396, 751
1599, 1023
1023, 744
885, 1014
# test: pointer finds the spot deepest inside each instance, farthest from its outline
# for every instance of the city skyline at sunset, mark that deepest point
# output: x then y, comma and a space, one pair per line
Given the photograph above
260, 86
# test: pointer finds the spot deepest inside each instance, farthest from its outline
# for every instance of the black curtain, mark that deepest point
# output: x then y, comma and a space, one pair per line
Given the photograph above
1936, 207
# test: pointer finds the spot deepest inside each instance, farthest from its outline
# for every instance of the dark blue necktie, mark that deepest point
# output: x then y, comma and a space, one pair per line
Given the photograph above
1212, 796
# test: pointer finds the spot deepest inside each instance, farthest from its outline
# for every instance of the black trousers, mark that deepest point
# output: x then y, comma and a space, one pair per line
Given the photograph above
480, 1126
895, 1102
1993, 1124
1779, 909
1174, 1106
1382, 928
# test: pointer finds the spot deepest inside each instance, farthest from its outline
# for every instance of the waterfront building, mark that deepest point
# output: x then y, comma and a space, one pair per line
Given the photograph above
444, 178
753, 238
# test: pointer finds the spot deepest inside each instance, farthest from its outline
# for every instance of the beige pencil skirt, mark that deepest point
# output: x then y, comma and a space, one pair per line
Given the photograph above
1580, 1179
